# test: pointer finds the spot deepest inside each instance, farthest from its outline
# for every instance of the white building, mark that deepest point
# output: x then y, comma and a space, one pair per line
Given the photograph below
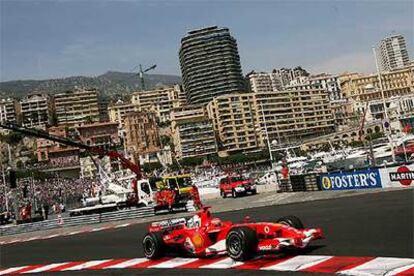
35, 110
396, 107
8, 111
393, 53
330, 83
264, 82
160, 100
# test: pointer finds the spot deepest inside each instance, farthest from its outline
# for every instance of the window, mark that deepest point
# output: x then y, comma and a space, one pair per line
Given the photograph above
184, 182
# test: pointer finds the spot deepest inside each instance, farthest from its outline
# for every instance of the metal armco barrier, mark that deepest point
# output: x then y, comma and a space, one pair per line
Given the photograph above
76, 221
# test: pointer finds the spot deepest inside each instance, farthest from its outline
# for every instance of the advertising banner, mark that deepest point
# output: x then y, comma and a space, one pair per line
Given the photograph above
399, 176
361, 179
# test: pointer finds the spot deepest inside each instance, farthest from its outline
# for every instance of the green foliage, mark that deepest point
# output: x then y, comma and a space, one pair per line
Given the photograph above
191, 161
88, 119
13, 138
164, 124
244, 157
356, 144
19, 164
325, 147
36, 174
150, 167
175, 166
374, 136
166, 140
110, 83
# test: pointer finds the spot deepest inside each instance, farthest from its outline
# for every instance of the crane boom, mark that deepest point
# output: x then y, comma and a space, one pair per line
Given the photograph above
91, 149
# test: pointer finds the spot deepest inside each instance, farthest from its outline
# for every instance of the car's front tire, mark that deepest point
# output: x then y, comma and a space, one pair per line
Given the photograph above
241, 243
153, 245
292, 221
234, 193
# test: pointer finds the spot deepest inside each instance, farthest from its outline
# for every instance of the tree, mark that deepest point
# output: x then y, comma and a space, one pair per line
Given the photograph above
175, 166
13, 138
191, 161
150, 167
374, 136
166, 140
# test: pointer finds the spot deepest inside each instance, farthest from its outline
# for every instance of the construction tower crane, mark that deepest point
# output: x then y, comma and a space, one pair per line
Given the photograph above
141, 74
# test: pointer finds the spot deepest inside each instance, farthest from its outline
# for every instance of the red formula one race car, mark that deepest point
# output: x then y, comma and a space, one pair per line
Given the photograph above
202, 236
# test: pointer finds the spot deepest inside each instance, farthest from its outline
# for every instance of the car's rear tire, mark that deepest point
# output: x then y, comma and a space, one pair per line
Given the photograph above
292, 221
223, 194
241, 243
234, 193
153, 246
254, 192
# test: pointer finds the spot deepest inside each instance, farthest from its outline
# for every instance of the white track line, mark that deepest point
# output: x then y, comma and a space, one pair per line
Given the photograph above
226, 263
128, 263
12, 269
86, 265
174, 263
298, 263
44, 268
379, 266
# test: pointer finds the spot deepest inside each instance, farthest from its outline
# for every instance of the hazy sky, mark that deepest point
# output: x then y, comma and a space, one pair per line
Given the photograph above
44, 39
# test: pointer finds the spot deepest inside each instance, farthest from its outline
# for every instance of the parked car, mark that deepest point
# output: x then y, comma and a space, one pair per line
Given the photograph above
236, 185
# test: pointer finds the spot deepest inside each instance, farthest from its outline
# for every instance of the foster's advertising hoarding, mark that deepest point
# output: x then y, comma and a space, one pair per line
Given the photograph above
362, 179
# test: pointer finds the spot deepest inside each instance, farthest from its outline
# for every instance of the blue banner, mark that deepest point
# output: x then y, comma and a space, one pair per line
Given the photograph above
363, 179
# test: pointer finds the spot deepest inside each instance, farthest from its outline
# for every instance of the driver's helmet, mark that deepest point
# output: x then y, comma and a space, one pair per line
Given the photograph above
194, 221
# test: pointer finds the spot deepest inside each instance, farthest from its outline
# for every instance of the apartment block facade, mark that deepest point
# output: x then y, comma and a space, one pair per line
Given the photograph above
361, 89
8, 110
329, 82
142, 133
193, 132
288, 116
295, 114
160, 100
210, 64
393, 53
117, 113
36, 110
262, 82
236, 120
99, 134
54, 153
77, 106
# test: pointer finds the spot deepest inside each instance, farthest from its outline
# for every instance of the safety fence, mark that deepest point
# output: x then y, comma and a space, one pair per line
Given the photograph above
77, 221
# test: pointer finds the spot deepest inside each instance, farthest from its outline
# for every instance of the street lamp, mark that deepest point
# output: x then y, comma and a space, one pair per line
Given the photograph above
385, 106
267, 136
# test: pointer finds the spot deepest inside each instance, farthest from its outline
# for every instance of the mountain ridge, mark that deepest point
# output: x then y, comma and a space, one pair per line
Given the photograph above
110, 84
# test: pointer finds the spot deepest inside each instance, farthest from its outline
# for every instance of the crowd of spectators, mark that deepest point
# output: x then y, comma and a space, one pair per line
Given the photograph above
49, 191
57, 163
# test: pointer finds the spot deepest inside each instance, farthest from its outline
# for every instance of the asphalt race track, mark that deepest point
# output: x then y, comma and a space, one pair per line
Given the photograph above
378, 224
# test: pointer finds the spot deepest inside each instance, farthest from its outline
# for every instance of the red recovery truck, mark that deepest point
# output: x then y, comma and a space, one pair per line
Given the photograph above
140, 193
